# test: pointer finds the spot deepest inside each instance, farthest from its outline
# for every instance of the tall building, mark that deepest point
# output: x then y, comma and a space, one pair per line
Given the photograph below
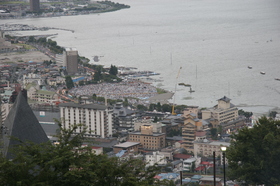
21, 123
34, 5
191, 125
70, 60
97, 118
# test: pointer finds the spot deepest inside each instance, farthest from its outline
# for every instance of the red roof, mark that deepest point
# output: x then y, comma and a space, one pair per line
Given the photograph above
157, 177
199, 168
205, 163
182, 156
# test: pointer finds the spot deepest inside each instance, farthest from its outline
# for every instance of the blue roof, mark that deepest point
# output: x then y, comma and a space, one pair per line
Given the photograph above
168, 176
120, 153
197, 177
78, 79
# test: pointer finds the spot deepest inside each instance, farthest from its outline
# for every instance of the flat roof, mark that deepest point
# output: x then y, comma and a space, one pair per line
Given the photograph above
154, 134
87, 106
126, 144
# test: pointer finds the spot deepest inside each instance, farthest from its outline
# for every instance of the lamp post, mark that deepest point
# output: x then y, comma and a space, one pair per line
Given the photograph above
214, 166
223, 149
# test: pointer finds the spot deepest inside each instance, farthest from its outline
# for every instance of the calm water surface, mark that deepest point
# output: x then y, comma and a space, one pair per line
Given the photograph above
213, 41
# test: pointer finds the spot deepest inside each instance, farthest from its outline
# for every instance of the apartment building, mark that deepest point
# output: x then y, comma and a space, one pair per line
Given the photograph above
98, 119
223, 112
148, 139
206, 148
43, 96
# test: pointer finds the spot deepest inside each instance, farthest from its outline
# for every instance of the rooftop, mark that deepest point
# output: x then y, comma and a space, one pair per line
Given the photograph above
86, 106
126, 144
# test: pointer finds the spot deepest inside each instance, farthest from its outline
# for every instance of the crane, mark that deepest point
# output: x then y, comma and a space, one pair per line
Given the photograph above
173, 106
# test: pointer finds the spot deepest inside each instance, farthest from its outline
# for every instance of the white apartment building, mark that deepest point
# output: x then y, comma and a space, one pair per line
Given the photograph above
98, 119
155, 157
190, 164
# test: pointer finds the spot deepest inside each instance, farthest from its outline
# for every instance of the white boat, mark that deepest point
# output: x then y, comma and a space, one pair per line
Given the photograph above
262, 72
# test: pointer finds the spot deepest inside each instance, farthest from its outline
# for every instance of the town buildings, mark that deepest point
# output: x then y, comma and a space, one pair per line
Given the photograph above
70, 60
98, 119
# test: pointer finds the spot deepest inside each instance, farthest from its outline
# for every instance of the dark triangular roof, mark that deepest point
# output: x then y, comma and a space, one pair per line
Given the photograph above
21, 123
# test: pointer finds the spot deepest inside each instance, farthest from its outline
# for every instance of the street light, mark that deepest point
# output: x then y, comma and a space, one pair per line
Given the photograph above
223, 149
214, 166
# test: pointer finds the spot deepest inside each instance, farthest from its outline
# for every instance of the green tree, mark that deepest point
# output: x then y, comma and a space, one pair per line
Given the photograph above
152, 107
244, 113
113, 70
213, 133
158, 107
253, 155
272, 114
97, 75
125, 102
69, 82
142, 108
68, 163
166, 108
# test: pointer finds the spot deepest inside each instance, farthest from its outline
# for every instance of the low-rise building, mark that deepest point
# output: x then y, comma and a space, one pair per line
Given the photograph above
128, 146
148, 139
206, 148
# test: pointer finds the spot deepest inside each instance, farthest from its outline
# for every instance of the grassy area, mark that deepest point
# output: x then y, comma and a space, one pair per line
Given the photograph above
161, 91
25, 46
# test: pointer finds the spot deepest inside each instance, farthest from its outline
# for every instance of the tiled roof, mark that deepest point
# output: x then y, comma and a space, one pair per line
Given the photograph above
182, 156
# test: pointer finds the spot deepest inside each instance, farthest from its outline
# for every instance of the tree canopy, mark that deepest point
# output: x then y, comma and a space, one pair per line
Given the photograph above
69, 163
69, 82
254, 154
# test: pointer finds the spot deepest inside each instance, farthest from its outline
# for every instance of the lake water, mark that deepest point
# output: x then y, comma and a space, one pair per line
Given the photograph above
214, 41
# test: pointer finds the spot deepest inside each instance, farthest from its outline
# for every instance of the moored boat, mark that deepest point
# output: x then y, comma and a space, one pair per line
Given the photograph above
262, 72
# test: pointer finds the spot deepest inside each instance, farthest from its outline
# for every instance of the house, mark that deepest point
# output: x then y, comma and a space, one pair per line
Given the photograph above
168, 176
209, 180
177, 165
